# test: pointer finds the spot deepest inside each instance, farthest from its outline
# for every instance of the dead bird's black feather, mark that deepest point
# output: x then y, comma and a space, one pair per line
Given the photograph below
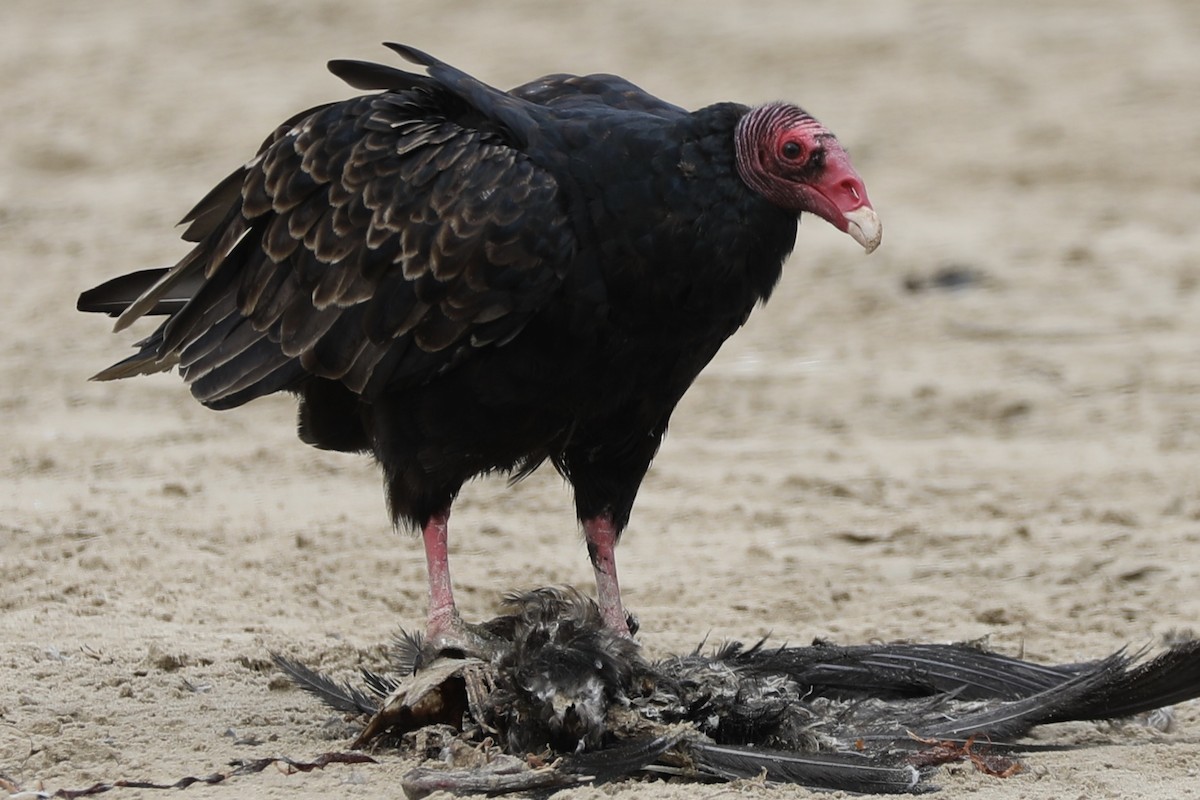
337, 695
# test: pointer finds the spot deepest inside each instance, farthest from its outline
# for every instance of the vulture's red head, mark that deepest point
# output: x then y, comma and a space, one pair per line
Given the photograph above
795, 162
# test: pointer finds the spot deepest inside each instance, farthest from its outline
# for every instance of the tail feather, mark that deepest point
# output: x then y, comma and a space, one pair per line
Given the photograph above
145, 361
844, 771
114, 296
901, 670
623, 759
1170, 677
368, 76
340, 696
1013, 718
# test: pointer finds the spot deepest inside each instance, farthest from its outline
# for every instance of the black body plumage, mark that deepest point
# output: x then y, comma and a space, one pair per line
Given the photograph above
463, 280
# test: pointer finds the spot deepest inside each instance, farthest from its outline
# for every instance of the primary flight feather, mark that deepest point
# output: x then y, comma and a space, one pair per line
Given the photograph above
461, 280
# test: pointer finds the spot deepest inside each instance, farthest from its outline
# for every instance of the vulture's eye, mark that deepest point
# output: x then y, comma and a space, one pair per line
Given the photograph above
791, 151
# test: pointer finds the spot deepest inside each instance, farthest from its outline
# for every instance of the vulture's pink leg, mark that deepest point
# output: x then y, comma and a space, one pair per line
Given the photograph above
601, 537
445, 631
443, 616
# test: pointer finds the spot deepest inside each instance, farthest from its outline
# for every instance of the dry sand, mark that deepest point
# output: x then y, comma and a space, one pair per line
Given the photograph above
1017, 459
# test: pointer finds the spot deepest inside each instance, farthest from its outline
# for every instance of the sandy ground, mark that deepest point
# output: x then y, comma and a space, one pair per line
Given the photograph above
1017, 459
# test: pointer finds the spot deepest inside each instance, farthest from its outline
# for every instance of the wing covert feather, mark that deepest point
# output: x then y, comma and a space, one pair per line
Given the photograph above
374, 234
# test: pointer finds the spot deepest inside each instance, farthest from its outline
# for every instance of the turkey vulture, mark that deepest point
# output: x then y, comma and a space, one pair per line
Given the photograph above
460, 280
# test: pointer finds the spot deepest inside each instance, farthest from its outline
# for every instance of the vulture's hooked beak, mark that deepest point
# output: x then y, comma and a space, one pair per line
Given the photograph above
864, 227
840, 197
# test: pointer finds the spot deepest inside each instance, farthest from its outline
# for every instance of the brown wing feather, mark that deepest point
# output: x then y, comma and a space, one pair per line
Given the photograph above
375, 234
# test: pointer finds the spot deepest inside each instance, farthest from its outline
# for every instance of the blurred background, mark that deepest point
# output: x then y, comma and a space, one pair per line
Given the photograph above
990, 427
